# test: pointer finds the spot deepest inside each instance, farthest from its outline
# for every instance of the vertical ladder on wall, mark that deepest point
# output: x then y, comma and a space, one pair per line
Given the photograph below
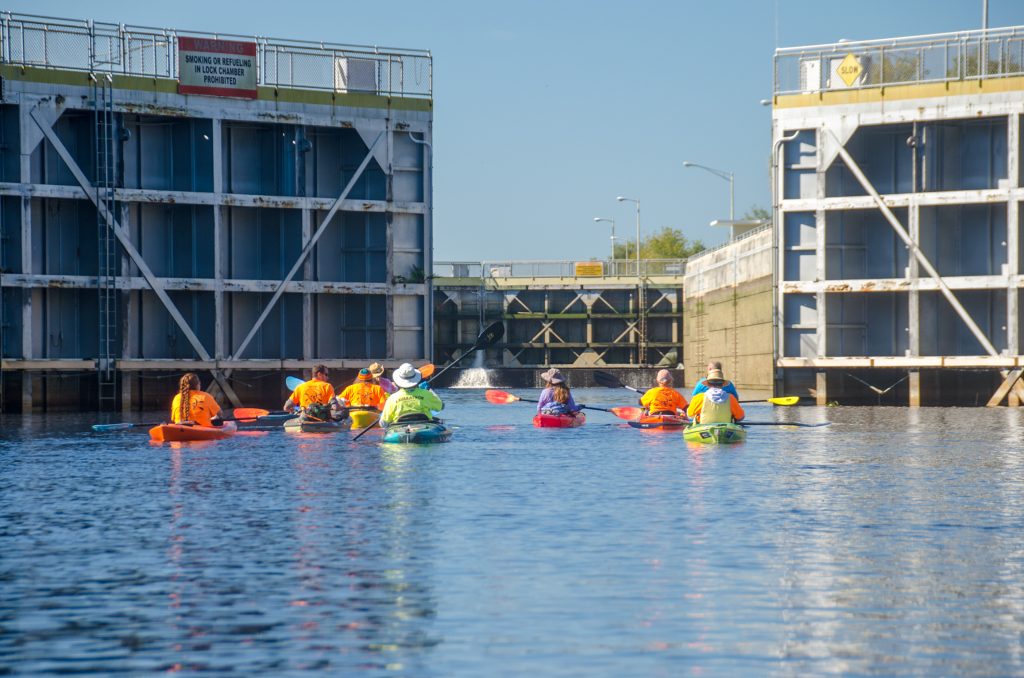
108, 254
641, 344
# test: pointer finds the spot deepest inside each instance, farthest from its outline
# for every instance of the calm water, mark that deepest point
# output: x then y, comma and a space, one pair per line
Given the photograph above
889, 543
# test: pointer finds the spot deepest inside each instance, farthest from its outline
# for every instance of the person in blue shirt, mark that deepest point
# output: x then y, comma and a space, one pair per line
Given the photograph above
702, 385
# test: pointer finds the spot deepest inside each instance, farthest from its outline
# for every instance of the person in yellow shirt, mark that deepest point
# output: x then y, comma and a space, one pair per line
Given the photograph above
715, 405
192, 405
663, 399
316, 394
414, 401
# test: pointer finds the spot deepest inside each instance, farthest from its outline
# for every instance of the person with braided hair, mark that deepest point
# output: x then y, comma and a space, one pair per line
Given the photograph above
191, 404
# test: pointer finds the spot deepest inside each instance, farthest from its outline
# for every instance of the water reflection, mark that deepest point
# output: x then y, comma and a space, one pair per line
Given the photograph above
887, 543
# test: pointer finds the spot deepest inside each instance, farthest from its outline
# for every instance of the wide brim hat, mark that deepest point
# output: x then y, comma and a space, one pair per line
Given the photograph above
715, 375
406, 376
376, 369
553, 376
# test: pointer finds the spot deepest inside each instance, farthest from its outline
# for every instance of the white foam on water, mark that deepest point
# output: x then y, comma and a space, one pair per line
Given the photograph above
474, 377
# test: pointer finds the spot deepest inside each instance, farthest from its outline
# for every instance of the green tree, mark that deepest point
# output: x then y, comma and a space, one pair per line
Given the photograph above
668, 243
757, 212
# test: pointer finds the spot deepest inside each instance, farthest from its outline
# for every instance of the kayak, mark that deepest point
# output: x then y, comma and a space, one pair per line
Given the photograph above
560, 420
267, 422
422, 432
660, 422
363, 418
300, 425
715, 433
165, 433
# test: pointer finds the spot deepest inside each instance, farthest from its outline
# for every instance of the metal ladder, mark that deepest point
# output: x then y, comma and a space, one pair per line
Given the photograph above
641, 344
108, 254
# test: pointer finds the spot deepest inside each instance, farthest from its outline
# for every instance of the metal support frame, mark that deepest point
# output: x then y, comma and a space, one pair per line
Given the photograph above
306, 250
135, 255
1011, 380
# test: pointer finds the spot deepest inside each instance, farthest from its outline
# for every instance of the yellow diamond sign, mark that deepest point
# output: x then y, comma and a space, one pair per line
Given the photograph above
850, 69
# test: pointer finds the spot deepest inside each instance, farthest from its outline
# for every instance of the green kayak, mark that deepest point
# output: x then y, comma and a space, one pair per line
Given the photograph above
715, 433
302, 425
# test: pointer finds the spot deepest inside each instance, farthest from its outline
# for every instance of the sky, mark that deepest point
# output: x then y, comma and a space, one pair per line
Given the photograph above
545, 111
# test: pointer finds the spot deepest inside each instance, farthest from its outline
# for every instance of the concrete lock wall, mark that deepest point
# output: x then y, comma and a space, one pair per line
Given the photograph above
728, 313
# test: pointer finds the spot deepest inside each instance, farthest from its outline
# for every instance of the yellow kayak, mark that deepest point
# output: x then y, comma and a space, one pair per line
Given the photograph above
363, 418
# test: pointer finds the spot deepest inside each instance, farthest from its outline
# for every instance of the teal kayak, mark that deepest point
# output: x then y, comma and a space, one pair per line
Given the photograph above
715, 433
420, 432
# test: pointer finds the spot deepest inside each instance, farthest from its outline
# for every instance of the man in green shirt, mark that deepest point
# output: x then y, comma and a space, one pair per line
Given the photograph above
414, 401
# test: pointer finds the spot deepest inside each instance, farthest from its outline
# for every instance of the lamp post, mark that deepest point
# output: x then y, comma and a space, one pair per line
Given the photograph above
728, 176
637, 203
612, 222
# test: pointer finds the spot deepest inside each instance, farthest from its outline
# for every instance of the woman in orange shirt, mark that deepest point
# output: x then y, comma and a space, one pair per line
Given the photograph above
191, 404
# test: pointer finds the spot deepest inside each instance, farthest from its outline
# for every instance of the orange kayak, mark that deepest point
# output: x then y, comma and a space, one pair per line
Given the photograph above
165, 433
660, 422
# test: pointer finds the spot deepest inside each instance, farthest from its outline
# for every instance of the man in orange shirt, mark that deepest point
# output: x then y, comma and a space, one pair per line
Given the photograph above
663, 399
316, 391
715, 405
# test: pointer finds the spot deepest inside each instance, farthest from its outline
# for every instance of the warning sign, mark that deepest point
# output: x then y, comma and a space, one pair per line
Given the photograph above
222, 68
589, 269
850, 69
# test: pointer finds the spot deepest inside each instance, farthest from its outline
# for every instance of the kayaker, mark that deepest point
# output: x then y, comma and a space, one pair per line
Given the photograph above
663, 399
715, 405
363, 392
377, 370
413, 401
191, 404
703, 386
314, 397
556, 398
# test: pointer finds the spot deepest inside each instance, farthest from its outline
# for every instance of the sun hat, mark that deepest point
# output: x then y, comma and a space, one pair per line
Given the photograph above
715, 375
664, 376
376, 369
406, 376
364, 375
553, 376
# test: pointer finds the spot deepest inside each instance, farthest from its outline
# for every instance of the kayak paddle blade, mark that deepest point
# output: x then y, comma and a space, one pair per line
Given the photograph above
249, 413
491, 334
627, 413
293, 383
115, 427
785, 400
607, 379
427, 370
500, 397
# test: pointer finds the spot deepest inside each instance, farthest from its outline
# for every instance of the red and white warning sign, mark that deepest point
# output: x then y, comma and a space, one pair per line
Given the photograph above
223, 68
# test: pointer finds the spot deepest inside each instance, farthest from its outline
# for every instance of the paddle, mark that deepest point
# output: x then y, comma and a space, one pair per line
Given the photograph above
504, 398
782, 423
249, 414
609, 380
491, 334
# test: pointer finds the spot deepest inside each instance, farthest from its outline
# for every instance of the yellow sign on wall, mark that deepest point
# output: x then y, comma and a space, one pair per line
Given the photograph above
589, 269
850, 69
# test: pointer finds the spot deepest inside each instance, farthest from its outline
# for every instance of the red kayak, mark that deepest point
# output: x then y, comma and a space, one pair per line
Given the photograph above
660, 422
165, 433
560, 420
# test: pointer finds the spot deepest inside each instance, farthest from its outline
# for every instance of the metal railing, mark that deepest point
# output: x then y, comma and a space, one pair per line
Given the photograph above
944, 57
95, 46
557, 269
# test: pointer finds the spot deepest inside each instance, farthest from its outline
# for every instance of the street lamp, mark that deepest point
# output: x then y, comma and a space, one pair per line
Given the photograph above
637, 203
728, 176
612, 222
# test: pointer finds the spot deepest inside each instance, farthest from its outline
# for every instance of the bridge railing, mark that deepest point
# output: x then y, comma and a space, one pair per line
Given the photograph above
625, 268
102, 47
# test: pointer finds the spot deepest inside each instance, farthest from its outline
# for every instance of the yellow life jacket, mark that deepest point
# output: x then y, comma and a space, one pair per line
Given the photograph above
715, 409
